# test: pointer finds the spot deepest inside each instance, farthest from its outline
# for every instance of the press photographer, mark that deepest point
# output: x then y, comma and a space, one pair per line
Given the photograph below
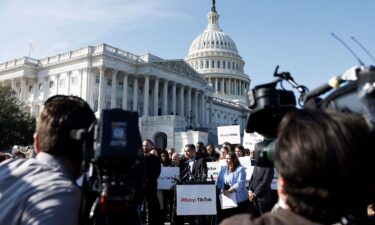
43, 190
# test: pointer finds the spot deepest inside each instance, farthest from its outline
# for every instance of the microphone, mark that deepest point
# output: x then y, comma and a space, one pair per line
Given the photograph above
347, 47
334, 83
186, 172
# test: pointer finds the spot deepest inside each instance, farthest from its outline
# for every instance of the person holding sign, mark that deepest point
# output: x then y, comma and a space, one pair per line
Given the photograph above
231, 182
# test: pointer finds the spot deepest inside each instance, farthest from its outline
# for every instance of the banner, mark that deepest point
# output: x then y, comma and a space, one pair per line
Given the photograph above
167, 178
250, 139
246, 163
197, 199
213, 169
229, 201
230, 134
274, 181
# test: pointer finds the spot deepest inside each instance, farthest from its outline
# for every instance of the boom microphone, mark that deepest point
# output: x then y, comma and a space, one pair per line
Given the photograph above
347, 47
363, 48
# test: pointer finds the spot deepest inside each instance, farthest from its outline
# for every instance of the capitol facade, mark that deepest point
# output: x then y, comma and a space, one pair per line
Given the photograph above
178, 101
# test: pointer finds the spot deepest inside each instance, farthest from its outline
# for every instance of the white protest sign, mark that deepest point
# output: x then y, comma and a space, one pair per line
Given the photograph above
222, 162
197, 199
246, 163
230, 134
167, 178
229, 201
213, 169
274, 181
250, 139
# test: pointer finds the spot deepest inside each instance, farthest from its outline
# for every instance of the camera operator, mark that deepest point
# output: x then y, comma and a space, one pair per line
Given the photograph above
43, 190
324, 164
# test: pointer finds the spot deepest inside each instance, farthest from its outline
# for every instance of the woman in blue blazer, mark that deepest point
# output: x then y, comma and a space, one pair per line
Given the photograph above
232, 180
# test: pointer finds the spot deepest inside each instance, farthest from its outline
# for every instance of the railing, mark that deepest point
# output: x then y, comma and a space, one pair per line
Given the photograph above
82, 52
165, 118
238, 105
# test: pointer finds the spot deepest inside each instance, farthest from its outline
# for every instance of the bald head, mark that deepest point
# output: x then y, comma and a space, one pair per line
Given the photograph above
175, 159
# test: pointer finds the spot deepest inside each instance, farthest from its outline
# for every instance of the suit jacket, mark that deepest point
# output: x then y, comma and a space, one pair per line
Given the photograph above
197, 173
260, 182
152, 171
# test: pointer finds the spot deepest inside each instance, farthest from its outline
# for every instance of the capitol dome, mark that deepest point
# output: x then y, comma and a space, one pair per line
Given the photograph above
212, 39
214, 54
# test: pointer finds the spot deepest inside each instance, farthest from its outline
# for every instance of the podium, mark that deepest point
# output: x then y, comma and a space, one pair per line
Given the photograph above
196, 198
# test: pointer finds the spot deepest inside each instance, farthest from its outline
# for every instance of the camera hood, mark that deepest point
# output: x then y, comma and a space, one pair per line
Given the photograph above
267, 107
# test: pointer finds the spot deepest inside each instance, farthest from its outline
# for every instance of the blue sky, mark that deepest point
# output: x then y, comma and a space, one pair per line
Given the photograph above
294, 34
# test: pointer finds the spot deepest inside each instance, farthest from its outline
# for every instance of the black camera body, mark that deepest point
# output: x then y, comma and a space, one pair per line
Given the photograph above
354, 91
115, 170
268, 105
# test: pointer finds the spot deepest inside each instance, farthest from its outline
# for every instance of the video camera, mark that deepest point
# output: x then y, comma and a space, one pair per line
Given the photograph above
352, 91
113, 169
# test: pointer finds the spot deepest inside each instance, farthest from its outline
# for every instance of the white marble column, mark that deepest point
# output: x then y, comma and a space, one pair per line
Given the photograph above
174, 98
13, 84
210, 111
188, 101
222, 86
114, 88
81, 84
196, 108
242, 88
216, 86
203, 109
236, 87
125, 92
135, 94
156, 96
45, 88
165, 98
68, 74
230, 86
102, 82
34, 103
146, 95
182, 102
57, 79
23, 89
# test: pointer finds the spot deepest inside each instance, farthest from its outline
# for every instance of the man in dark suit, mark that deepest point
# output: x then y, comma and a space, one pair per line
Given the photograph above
193, 169
260, 192
152, 172
197, 166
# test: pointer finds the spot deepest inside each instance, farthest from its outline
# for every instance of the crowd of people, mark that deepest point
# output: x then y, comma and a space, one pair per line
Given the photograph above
324, 160
255, 196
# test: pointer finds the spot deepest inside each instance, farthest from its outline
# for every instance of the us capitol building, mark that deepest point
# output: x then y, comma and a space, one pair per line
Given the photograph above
178, 101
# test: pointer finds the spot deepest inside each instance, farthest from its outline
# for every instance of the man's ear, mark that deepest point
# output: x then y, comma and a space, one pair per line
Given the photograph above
36, 143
